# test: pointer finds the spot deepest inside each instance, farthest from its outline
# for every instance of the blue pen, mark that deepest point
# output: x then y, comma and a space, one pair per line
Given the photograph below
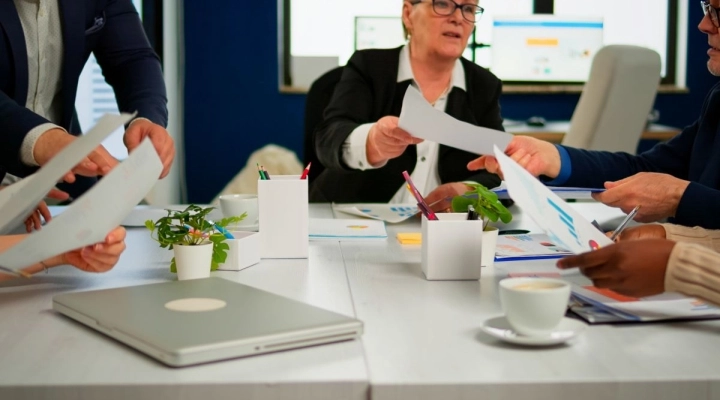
224, 231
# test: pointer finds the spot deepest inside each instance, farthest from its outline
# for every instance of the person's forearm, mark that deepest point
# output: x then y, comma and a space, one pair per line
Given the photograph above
10, 240
694, 270
706, 237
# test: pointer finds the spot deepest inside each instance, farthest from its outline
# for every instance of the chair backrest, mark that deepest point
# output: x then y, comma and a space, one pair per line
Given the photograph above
318, 98
276, 159
616, 100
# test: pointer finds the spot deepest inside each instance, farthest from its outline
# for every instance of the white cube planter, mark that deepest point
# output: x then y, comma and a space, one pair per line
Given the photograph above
193, 262
489, 244
244, 251
452, 247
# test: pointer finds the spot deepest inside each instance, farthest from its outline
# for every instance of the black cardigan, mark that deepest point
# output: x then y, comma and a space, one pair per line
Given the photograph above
369, 91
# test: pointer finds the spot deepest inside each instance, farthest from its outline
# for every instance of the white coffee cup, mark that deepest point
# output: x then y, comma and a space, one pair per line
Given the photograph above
236, 204
534, 306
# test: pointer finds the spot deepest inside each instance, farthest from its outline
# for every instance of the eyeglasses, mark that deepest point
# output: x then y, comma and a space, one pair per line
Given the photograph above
712, 11
470, 12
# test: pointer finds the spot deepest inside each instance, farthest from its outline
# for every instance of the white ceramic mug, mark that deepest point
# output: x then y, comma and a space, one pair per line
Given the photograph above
534, 306
236, 204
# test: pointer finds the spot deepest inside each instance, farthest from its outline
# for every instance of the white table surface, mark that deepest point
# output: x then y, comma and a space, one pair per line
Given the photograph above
46, 355
422, 339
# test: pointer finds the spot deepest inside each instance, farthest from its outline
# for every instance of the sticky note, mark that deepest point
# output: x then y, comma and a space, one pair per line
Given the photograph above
410, 238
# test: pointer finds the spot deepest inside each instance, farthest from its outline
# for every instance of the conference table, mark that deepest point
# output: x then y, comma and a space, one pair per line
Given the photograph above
422, 339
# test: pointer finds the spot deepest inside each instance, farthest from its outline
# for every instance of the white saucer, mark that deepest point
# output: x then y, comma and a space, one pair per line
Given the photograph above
501, 329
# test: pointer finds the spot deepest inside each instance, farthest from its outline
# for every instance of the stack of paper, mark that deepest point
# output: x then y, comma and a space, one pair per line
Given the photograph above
604, 306
527, 247
562, 192
346, 229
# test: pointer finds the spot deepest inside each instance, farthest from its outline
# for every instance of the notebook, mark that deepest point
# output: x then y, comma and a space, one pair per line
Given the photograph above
202, 320
346, 229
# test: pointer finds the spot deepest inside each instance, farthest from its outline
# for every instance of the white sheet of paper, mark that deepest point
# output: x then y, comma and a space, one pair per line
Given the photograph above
422, 120
562, 223
91, 217
17, 202
346, 229
391, 213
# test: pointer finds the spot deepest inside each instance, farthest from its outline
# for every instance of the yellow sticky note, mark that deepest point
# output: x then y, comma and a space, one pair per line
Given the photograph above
410, 238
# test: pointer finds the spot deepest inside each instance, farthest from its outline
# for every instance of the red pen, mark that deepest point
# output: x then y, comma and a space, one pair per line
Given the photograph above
306, 171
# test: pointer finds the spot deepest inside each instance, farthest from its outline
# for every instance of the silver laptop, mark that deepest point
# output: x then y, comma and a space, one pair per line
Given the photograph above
196, 321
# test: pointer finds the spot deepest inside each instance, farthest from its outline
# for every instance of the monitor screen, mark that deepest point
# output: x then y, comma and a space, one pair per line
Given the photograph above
378, 33
544, 48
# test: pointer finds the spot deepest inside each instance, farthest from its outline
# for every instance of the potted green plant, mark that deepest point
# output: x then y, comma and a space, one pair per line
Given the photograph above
196, 241
489, 209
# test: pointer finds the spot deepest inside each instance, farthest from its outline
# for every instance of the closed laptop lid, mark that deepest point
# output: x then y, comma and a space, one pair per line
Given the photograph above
172, 320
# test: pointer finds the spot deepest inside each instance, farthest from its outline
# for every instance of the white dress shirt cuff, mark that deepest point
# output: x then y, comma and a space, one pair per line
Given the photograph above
354, 149
139, 119
27, 149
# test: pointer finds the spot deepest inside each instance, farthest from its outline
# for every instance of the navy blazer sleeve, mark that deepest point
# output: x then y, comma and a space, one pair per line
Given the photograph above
15, 122
594, 168
130, 65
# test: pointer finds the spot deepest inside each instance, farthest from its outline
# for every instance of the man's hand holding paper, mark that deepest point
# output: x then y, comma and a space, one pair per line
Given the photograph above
565, 226
536, 156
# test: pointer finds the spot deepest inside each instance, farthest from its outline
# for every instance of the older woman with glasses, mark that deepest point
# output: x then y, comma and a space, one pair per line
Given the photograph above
359, 141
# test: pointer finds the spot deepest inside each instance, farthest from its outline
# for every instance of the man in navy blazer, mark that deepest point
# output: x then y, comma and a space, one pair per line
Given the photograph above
679, 179
44, 46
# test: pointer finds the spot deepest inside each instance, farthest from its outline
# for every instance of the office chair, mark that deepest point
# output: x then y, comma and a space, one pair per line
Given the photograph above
318, 98
616, 100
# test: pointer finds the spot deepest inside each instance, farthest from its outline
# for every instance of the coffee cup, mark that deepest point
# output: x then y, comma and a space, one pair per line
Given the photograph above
236, 204
534, 306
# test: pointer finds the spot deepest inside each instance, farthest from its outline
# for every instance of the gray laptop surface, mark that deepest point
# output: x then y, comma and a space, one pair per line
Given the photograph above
154, 319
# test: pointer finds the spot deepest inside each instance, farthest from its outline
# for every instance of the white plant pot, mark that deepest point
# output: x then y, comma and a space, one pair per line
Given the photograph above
489, 243
193, 262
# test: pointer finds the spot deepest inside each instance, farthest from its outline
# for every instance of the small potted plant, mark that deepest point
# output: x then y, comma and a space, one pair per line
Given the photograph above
196, 241
489, 209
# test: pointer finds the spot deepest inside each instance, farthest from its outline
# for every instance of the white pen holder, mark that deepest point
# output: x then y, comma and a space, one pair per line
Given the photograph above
283, 210
244, 251
451, 247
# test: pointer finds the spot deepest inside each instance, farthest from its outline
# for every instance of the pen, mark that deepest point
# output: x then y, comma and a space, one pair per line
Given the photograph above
306, 171
472, 215
222, 230
624, 223
426, 210
260, 172
267, 175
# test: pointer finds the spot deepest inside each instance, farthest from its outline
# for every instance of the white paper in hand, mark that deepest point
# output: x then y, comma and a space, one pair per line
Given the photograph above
562, 224
19, 200
91, 217
422, 120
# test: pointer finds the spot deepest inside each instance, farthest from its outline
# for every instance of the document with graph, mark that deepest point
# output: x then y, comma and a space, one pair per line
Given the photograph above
565, 226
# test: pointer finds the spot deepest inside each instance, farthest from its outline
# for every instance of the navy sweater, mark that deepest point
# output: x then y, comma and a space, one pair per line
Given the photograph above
693, 155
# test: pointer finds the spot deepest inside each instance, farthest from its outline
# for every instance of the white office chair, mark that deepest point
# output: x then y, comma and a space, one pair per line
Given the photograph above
616, 100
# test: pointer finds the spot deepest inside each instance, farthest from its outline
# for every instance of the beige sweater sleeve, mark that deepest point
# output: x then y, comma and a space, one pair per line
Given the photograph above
694, 270
706, 237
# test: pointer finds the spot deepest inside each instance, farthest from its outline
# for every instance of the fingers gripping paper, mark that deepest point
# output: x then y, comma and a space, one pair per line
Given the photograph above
91, 217
20, 199
422, 120
562, 224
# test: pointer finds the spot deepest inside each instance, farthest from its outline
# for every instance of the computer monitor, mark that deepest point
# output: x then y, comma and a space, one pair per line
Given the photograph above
544, 48
378, 33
